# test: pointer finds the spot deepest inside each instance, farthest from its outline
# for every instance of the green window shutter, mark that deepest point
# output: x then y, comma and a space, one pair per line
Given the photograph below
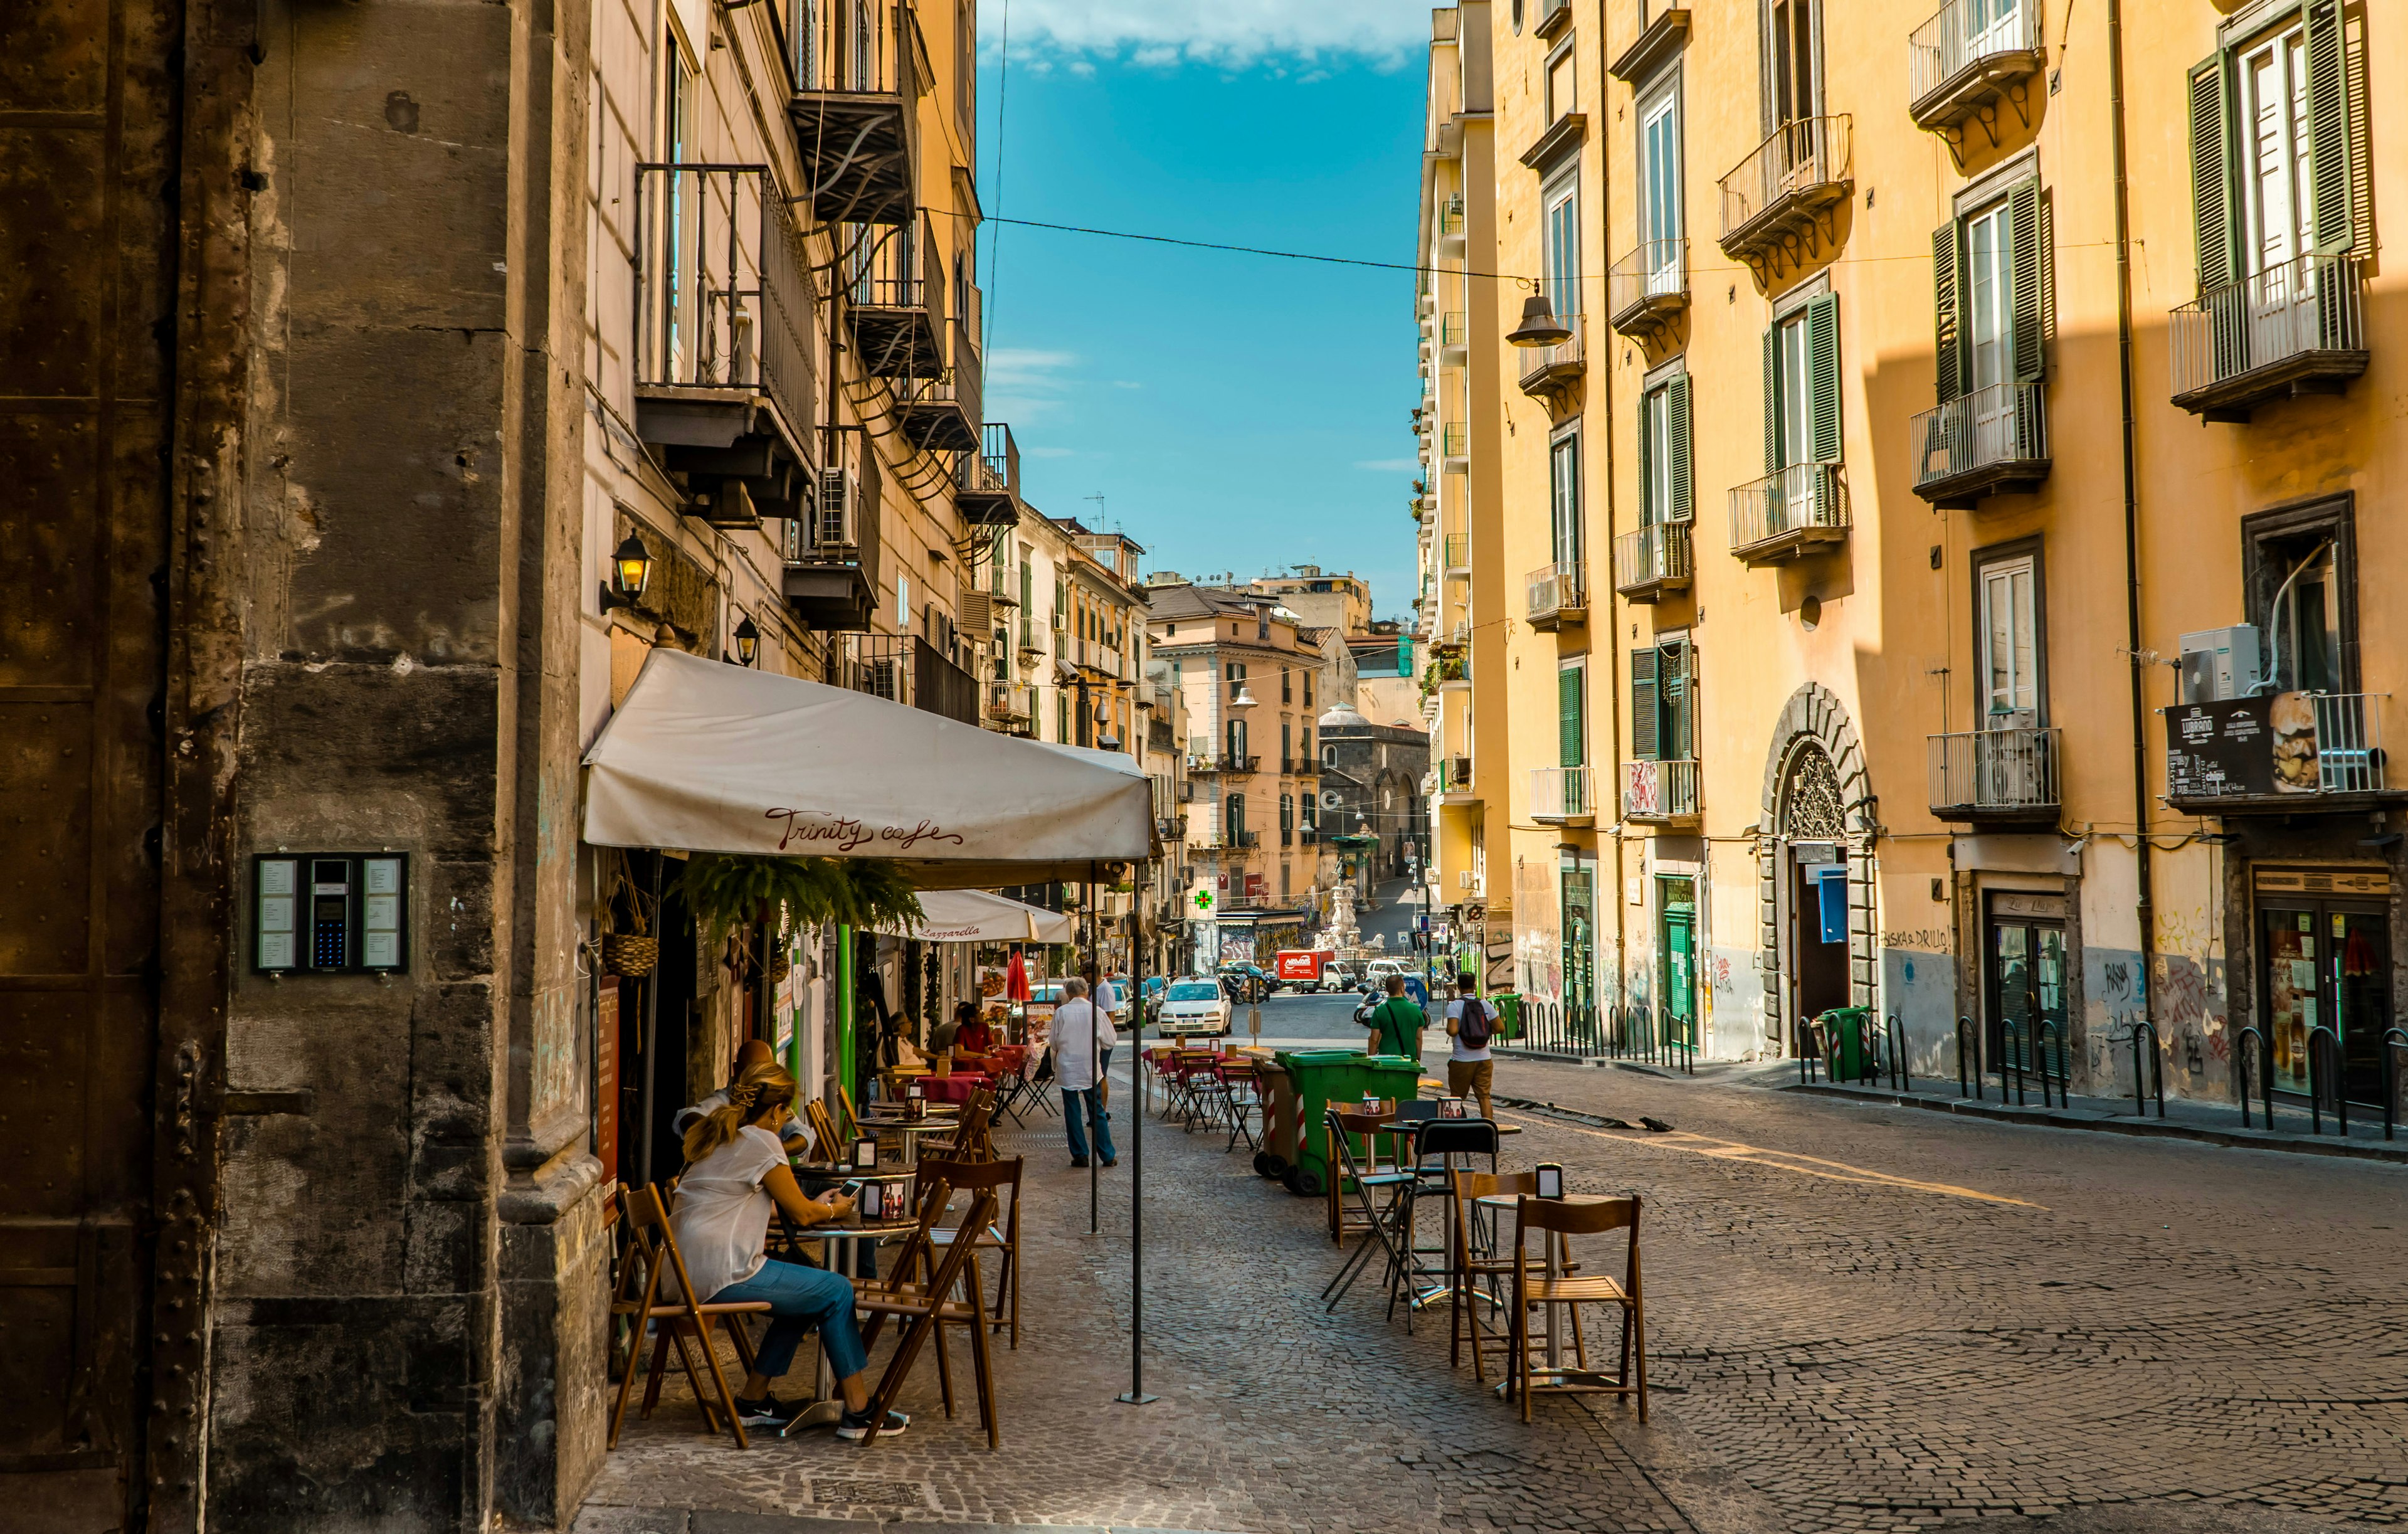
1823, 376
1947, 346
2333, 229
1649, 513
2030, 260
1643, 704
1571, 720
2211, 173
1674, 687
1676, 409
1772, 463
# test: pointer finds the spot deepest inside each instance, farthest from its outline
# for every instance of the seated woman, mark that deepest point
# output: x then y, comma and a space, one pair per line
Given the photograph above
735, 1174
973, 1037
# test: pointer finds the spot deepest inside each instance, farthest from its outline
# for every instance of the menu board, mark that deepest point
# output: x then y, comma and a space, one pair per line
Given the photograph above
2241, 746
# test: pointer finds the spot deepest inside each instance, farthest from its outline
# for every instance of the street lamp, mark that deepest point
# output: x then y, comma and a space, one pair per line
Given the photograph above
631, 570
747, 641
1538, 326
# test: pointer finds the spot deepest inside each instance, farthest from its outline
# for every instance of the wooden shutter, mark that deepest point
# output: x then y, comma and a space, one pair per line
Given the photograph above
1571, 724
1676, 432
1947, 342
2028, 259
1772, 463
1823, 376
2328, 148
1649, 513
1673, 676
1643, 704
2211, 173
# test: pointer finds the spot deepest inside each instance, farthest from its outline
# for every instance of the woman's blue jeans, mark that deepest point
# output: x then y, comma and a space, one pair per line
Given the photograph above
801, 1299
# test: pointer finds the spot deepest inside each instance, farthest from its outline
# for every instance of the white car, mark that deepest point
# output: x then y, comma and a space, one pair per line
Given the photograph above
1193, 1008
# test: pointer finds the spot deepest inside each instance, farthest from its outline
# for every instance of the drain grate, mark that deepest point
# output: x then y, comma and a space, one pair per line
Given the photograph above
871, 1492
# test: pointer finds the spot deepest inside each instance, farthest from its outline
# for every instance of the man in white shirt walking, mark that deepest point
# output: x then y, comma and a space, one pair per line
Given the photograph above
1077, 1035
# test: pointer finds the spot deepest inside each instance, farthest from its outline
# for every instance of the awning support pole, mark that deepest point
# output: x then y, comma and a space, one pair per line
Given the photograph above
1135, 1394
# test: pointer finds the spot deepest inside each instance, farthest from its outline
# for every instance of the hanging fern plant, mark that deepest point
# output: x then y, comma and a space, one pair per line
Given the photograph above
729, 893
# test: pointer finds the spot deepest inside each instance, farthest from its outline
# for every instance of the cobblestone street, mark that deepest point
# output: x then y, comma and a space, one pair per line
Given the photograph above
1861, 1319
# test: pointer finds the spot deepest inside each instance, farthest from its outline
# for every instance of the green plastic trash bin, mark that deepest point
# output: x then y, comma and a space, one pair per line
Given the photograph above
1847, 1042
1507, 1005
1278, 1091
1322, 1077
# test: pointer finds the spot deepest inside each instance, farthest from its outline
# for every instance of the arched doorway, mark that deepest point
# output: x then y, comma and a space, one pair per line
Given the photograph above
1815, 863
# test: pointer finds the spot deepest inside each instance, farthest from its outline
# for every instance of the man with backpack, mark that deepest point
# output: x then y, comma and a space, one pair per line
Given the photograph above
1469, 1025
1396, 1023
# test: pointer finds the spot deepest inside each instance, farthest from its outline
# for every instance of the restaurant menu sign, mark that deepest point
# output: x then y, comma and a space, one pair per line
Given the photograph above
2243, 745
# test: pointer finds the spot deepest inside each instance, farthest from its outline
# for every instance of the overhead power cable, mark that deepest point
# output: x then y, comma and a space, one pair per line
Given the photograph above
1245, 249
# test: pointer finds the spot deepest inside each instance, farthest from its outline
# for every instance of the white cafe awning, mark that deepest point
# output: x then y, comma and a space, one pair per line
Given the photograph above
961, 916
706, 757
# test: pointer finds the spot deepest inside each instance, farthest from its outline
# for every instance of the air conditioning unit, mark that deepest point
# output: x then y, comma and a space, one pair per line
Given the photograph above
839, 509
2220, 663
978, 611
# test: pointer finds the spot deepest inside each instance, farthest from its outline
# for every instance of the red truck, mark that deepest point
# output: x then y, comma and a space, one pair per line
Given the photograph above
1301, 968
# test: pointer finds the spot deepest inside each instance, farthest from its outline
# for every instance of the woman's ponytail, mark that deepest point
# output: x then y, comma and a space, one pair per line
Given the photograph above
760, 1086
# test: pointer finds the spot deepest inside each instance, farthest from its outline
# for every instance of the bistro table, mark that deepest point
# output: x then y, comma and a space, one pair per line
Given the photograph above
910, 1130
847, 1235
1501, 1207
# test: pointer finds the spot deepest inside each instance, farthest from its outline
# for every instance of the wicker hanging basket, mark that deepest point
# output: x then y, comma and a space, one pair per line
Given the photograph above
630, 955
780, 967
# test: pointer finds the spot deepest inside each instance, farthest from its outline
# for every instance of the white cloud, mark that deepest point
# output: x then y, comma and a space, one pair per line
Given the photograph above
1025, 384
1126, 383
1389, 465
1160, 33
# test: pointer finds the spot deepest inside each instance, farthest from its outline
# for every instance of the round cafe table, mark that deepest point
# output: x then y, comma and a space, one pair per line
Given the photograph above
843, 1239
909, 1131
1500, 1206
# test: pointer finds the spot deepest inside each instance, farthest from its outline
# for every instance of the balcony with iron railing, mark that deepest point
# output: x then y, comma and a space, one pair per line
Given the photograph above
722, 347
894, 299
1454, 446
1783, 193
906, 669
1556, 593
1992, 441
986, 482
855, 111
1450, 225
1660, 793
1453, 332
2001, 777
1454, 780
1455, 554
1968, 58
1546, 370
1652, 562
2295, 328
2280, 755
1648, 289
1011, 705
1563, 796
1171, 828
943, 413
1789, 513
1663, 28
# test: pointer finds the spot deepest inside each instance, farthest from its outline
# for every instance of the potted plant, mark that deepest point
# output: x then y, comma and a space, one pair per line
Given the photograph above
732, 894
631, 955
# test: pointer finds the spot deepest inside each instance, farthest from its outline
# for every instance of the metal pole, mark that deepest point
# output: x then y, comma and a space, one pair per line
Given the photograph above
1096, 1124
1135, 1394
652, 1038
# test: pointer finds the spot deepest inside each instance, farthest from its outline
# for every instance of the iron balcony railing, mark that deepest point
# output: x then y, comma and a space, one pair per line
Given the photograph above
896, 285
1651, 556
906, 669
1450, 216
1805, 503
1995, 770
1454, 774
1541, 363
2004, 423
1801, 167
2284, 314
1555, 588
1960, 40
1454, 439
2349, 742
1659, 791
1456, 551
1453, 327
1653, 277
723, 286
1010, 700
852, 49
995, 469
1562, 792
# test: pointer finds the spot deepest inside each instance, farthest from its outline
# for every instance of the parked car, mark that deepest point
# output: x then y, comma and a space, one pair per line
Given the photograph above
1194, 1008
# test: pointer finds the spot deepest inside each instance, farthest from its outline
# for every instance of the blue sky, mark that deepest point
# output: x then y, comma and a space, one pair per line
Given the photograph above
1237, 413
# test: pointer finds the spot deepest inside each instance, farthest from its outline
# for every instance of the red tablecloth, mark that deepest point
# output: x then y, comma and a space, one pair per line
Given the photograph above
956, 1087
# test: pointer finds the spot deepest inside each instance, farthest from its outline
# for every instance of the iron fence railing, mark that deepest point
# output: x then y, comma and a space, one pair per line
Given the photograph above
2311, 304
1453, 326
2004, 423
722, 290
1801, 499
1657, 270
906, 669
2000, 769
1553, 589
1645, 556
854, 47
1539, 361
1456, 551
995, 469
1659, 791
1454, 438
1963, 34
1562, 792
1803, 160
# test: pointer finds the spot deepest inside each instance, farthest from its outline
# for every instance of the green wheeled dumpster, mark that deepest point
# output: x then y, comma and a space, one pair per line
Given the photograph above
1278, 1090
1847, 1042
1343, 1076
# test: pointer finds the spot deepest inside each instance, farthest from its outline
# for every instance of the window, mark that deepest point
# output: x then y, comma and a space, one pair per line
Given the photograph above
1667, 486
2271, 174
1236, 812
1308, 689
1559, 238
1563, 497
1287, 685
1306, 752
1794, 53
966, 81
1663, 700
1287, 820
1287, 743
1235, 736
1563, 84
2009, 641
1329, 756
1990, 276
1236, 678
1659, 182
1802, 386
1572, 721
2301, 575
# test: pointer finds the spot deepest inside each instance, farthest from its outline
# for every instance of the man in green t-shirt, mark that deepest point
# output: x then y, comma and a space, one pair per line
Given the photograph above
1397, 1023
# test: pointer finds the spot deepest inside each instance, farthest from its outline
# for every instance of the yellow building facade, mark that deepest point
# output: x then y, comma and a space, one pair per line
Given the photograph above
1925, 568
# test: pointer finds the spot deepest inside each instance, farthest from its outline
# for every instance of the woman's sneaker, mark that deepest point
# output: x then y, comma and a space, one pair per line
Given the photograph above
856, 1426
768, 1412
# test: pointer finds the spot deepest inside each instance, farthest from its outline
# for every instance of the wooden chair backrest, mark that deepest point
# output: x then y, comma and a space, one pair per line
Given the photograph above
1471, 1185
647, 1221
830, 1146
1579, 1219
1364, 1124
852, 1124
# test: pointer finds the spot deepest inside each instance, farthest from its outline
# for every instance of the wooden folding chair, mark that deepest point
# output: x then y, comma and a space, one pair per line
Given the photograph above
1002, 1235
1244, 1097
1371, 1127
926, 1308
1482, 1273
1533, 1287
971, 1139
654, 1248
829, 1146
850, 1123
